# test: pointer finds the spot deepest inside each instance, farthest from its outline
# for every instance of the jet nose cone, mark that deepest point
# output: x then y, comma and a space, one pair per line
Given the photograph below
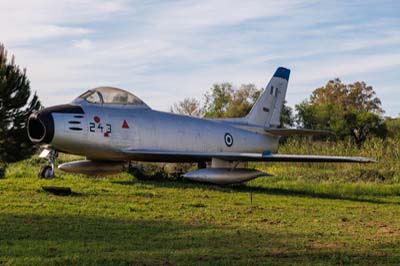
41, 127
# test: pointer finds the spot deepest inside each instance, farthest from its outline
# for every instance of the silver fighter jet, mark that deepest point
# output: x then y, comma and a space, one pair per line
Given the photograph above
112, 127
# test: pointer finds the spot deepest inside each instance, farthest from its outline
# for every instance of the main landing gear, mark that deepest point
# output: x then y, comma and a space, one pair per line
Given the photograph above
48, 171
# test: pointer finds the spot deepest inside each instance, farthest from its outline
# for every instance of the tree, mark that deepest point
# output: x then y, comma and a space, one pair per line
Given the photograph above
217, 100
224, 101
362, 124
15, 108
393, 127
189, 106
287, 118
348, 110
242, 100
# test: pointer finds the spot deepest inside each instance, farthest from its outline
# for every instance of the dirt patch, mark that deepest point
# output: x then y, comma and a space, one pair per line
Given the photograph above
385, 230
319, 244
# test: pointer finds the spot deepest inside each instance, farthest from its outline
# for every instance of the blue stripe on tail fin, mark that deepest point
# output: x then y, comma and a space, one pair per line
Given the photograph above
282, 72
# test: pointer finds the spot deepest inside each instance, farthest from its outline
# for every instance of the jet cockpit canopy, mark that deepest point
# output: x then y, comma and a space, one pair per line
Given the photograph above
110, 95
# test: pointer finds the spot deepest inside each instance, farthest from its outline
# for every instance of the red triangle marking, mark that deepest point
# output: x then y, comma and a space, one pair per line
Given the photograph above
125, 124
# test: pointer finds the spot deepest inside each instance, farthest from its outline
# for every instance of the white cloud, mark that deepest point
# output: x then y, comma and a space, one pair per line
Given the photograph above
165, 51
43, 19
84, 44
26, 33
339, 67
66, 11
191, 14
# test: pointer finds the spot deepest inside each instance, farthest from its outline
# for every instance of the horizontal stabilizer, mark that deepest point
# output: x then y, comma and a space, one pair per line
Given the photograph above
189, 156
286, 132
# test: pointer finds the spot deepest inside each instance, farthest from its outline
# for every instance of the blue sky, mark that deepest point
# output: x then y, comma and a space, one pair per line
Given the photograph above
164, 51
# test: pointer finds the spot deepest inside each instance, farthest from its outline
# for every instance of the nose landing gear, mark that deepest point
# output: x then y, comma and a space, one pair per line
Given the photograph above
48, 171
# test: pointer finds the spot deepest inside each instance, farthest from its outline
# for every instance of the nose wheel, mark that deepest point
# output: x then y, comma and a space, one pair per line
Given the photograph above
48, 171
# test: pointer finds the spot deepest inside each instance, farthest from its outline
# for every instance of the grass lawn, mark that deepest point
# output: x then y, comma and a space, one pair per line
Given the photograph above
123, 221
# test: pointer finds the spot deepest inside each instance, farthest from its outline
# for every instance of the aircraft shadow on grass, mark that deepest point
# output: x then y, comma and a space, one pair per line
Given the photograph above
255, 190
76, 240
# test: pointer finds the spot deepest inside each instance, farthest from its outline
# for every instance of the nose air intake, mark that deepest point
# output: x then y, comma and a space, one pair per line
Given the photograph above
41, 124
41, 127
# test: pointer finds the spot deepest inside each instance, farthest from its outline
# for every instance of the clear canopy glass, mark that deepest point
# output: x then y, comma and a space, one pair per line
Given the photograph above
110, 95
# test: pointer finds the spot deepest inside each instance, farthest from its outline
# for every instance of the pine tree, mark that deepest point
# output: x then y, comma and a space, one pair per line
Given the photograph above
16, 105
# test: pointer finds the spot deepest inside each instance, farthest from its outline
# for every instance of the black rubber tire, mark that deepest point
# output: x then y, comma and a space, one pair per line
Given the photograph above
46, 172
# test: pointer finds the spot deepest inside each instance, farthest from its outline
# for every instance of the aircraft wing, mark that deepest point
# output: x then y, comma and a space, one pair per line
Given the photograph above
188, 156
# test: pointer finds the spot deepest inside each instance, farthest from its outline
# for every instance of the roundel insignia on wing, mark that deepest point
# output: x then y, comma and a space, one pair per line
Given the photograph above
228, 139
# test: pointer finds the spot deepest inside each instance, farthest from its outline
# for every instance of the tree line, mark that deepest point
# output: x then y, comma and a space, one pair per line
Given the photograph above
349, 110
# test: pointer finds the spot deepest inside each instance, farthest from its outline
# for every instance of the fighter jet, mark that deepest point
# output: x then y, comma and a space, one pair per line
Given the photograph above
112, 127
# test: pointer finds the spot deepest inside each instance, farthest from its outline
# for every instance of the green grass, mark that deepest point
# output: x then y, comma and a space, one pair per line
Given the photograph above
295, 218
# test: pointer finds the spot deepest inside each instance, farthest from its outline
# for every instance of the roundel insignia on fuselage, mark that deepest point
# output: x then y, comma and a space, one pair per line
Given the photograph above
228, 139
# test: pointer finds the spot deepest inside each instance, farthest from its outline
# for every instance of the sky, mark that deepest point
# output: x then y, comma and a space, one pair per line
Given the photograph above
165, 51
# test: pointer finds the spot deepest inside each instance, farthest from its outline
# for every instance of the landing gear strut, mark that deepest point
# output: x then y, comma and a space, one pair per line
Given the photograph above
201, 165
48, 171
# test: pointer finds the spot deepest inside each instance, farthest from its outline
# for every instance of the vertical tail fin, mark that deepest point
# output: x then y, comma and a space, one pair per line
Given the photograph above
267, 109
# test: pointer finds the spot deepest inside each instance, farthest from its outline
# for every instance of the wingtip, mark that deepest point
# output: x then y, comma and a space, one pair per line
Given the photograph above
367, 160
